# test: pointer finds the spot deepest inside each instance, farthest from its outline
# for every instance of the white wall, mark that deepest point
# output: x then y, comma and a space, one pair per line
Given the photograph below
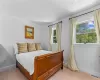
12, 30
88, 58
87, 55
65, 37
44, 37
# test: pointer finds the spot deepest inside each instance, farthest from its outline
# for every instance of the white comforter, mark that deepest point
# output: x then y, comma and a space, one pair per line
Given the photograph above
27, 59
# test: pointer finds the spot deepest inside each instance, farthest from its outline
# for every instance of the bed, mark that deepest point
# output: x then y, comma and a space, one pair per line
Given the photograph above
39, 65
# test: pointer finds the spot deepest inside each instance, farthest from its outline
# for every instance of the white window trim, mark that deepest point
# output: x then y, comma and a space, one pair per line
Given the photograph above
85, 21
74, 32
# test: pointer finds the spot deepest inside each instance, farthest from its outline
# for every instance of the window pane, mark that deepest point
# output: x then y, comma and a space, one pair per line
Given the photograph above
54, 40
54, 33
85, 32
85, 27
86, 38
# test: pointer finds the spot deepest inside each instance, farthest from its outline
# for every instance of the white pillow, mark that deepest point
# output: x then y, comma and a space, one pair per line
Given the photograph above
15, 49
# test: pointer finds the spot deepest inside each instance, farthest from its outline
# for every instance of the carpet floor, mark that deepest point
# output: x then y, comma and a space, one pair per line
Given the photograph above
64, 74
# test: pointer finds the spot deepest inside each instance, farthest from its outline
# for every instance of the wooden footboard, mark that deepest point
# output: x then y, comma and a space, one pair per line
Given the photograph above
48, 64
45, 66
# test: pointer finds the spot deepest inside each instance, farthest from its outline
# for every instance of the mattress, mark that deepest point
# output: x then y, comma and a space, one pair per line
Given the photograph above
27, 59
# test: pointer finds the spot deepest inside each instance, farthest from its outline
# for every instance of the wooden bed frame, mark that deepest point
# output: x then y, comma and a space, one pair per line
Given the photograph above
44, 66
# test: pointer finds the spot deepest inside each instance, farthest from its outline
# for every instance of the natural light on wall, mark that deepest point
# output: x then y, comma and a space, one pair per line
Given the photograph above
74, 5
80, 4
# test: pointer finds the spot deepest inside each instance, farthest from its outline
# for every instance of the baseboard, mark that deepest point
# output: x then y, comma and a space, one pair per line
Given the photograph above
8, 68
97, 74
64, 64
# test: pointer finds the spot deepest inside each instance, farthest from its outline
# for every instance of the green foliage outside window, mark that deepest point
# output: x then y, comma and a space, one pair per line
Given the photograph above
54, 40
85, 32
86, 38
54, 36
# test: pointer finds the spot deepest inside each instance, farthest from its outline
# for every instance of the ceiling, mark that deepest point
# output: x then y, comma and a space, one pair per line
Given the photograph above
44, 10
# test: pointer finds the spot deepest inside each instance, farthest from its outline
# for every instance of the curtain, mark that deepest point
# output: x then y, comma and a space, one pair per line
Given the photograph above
50, 35
58, 35
71, 64
97, 24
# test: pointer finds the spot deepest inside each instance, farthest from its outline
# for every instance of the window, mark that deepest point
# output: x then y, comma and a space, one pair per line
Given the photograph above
85, 32
54, 39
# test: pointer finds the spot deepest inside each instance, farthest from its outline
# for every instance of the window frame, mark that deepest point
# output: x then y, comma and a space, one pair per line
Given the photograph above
74, 31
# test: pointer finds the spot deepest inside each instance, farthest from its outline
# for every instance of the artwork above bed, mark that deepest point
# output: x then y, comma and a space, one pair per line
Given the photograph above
29, 32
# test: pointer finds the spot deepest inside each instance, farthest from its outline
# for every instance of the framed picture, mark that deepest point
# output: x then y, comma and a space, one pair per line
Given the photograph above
29, 32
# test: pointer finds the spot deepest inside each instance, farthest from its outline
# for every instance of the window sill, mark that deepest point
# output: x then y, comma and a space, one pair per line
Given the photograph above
86, 43
54, 43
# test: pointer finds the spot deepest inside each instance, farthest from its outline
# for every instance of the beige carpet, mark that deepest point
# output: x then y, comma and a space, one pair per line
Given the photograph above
64, 74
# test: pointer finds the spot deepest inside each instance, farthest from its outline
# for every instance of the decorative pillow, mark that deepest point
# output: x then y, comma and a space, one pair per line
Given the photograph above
31, 47
38, 46
22, 47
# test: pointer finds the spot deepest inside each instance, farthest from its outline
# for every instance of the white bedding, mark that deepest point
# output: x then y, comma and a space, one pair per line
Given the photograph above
27, 59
